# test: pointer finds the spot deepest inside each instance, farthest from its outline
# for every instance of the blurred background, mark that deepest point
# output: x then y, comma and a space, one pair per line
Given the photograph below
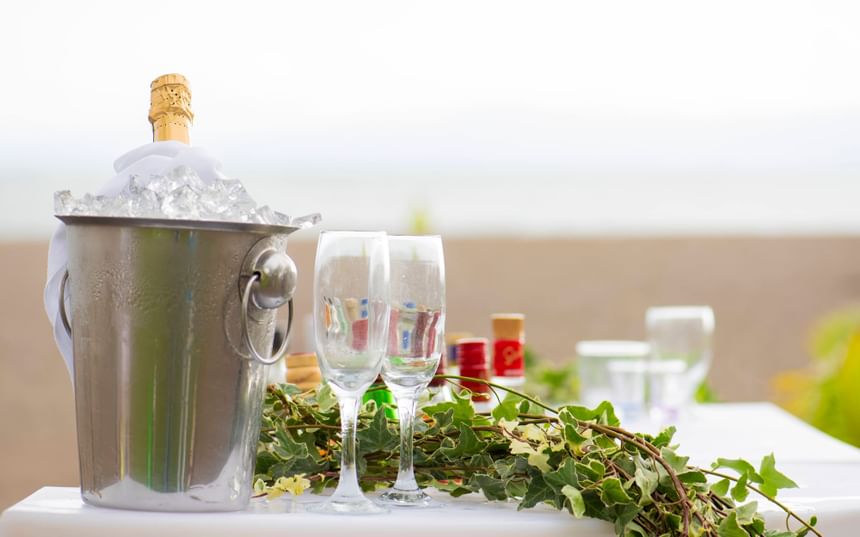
583, 161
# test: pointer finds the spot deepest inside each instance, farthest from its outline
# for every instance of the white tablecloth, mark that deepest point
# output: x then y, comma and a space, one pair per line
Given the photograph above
827, 471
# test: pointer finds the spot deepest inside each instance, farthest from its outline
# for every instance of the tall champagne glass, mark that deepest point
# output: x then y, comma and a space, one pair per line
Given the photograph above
351, 312
417, 295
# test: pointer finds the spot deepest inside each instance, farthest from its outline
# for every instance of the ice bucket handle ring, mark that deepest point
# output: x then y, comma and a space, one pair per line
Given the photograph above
275, 277
63, 317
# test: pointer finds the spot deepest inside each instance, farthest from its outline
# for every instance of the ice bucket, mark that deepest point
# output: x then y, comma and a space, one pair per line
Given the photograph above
172, 325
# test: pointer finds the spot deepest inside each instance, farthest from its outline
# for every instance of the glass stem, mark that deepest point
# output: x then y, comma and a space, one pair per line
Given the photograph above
347, 485
406, 413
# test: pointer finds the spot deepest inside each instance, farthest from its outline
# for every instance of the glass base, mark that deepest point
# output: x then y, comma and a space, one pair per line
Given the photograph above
359, 505
408, 498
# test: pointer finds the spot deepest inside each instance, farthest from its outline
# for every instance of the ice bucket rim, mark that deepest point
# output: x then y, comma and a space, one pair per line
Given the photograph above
170, 223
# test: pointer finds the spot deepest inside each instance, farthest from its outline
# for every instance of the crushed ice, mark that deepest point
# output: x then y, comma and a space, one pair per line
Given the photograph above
179, 194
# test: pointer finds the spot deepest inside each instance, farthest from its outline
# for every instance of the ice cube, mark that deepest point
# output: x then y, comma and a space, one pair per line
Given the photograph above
145, 205
226, 187
264, 215
117, 206
136, 185
64, 202
306, 221
162, 185
181, 203
180, 194
92, 205
211, 207
282, 220
214, 203
184, 175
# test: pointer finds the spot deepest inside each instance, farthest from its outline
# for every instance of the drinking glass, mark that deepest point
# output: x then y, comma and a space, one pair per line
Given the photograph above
681, 338
415, 345
614, 371
351, 315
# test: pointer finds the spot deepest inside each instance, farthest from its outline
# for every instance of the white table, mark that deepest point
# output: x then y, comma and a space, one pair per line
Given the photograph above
827, 471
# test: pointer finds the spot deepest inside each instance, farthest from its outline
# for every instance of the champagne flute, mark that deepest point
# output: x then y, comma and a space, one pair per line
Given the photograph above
417, 295
351, 315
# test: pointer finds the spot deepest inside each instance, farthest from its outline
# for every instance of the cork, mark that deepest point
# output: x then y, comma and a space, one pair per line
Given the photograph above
302, 359
509, 326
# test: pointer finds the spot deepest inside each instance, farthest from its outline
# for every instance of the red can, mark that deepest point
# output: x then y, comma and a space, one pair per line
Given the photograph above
472, 357
508, 342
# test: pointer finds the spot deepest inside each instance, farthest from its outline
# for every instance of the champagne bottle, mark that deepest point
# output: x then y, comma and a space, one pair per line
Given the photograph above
160, 457
170, 108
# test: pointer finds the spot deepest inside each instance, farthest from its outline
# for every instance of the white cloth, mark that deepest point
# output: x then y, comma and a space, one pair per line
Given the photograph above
151, 159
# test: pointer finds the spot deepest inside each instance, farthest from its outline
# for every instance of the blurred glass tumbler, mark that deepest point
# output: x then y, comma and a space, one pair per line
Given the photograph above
614, 371
681, 339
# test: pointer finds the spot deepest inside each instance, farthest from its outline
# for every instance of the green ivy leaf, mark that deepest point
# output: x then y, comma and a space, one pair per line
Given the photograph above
537, 492
451, 487
493, 489
665, 437
287, 448
746, 513
740, 466
729, 527
572, 437
326, 398
721, 487
624, 514
603, 413
508, 409
467, 444
692, 476
612, 492
264, 461
516, 488
740, 490
577, 504
461, 407
773, 479
564, 476
378, 436
646, 480
676, 462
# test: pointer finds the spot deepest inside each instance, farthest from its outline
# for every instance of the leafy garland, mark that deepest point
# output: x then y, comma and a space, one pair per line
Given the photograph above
572, 458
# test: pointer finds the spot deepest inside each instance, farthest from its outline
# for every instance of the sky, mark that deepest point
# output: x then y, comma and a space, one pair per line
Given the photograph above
490, 117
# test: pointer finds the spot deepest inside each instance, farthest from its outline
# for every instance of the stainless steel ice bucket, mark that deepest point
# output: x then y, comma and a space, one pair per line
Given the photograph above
172, 324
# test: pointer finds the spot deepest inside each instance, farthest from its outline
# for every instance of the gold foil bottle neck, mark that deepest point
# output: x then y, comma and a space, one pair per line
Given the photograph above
170, 108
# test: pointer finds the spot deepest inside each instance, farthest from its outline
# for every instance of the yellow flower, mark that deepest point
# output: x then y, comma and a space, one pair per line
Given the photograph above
272, 493
295, 484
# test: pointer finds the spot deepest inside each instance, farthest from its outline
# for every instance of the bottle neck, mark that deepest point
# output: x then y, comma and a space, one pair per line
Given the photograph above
170, 108
171, 127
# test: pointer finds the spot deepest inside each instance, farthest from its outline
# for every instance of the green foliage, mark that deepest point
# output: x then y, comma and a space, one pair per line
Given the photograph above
825, 394
573, 458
